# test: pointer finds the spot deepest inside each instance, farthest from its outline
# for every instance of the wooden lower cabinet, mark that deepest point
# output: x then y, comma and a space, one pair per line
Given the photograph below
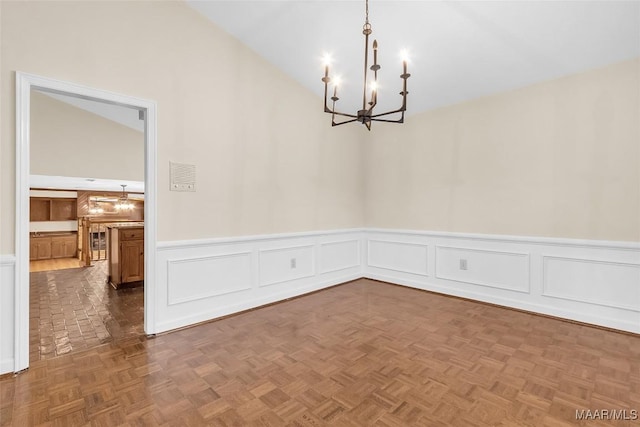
64, 247
40, 248
125, 254
47, 247
132, 260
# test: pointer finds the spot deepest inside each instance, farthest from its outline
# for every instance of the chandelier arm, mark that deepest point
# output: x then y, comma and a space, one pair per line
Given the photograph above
400, 120
338, 113
342, 123
399, 110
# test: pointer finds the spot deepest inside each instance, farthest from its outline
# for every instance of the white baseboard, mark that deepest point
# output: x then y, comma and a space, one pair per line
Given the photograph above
594, 282
7, 317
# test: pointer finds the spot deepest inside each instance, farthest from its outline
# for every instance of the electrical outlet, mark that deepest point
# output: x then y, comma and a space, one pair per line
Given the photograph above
463, 264
293, 263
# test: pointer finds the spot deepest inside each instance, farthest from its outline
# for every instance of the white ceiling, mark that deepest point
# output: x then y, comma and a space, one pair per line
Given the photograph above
459, 50
125, 116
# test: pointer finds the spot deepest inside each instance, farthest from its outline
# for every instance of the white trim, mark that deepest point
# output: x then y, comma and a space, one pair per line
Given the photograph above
7, 260
398, 242
175, 301
526, 255
7, 279
607, 244
24, 83
284, 249
548, 293
174, 244
322, 270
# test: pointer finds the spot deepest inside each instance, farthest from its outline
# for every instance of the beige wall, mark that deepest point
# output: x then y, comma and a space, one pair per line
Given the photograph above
560, 158
69, 141
557, 159
267, 160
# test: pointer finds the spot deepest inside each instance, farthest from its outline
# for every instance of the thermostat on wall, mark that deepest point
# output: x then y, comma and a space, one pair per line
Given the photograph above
183, 177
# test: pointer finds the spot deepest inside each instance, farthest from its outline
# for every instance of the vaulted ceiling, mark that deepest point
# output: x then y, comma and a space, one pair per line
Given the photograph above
459, 50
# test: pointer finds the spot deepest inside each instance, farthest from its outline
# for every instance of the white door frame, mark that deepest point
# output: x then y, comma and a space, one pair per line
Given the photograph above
24, 83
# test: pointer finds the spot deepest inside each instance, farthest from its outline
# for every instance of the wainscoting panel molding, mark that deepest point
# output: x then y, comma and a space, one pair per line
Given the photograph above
286, 264
399, 256
195, 275
200, 280
595, 282
340, 255
611, 284
7, 313
495, 269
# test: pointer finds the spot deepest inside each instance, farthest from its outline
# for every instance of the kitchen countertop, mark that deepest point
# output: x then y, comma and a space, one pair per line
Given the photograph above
125, 225
52, 233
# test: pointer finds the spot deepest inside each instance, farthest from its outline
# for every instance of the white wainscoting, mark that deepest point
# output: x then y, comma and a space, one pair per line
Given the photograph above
339, 255
199, 280
404, 257
595, 282
495, 269
611, 284
285, 264
198, 272
7, 320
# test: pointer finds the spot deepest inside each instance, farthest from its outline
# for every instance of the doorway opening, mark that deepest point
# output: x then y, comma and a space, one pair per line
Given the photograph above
94, 274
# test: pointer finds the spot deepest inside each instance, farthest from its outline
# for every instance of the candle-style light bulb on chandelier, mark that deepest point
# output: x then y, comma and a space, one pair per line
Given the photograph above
366, 115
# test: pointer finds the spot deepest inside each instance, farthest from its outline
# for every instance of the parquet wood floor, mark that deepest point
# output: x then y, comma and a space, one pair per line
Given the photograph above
360, 354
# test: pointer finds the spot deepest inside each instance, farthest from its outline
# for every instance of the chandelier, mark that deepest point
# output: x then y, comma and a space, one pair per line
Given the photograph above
366, 115
96, 209
123, 203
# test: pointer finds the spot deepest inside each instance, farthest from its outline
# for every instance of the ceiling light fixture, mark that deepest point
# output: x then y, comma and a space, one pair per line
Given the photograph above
366, 114
123, 202
96, 209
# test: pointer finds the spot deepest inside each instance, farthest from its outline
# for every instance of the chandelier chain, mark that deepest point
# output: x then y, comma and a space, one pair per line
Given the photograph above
366, 17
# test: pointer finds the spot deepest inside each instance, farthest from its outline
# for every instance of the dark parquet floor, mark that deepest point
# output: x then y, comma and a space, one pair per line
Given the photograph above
361, 354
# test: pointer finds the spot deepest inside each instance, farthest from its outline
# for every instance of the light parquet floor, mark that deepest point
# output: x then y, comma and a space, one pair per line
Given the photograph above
361, 354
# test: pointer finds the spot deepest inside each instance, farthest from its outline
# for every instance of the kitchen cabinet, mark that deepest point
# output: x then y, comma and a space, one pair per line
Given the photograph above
39, 248
53, 245
125, 254
64, 247
52, 209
